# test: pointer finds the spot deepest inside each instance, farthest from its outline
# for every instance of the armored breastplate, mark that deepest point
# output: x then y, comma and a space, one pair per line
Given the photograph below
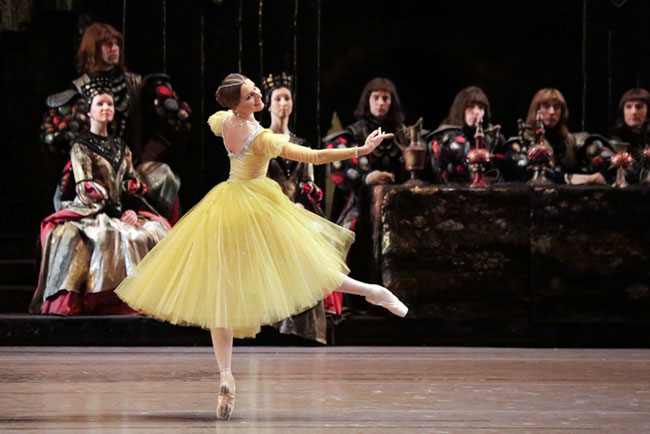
387, 155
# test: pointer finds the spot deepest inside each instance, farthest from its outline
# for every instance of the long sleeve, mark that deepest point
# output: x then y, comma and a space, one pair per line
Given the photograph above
313, 156
89, 191
279, 144
130, 172
132, 183
82, 165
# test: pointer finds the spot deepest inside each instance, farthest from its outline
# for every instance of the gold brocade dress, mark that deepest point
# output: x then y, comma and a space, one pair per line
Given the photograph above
88, 250
245, 255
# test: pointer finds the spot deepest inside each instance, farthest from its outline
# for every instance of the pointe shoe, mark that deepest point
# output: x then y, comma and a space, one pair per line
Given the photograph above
386, 299
226, 400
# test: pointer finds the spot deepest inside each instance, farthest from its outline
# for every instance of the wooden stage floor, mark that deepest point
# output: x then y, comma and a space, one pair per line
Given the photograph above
326, 390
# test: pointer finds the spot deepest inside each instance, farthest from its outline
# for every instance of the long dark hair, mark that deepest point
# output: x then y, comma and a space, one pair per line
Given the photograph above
465, 98
549, 95
638, 94
395, 116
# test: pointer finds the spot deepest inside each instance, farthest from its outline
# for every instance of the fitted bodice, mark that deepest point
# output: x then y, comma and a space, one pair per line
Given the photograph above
252, 160
246, 165
105, 160
261, 145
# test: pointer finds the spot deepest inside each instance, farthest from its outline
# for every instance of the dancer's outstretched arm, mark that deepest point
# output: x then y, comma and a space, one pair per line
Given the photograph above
322, 156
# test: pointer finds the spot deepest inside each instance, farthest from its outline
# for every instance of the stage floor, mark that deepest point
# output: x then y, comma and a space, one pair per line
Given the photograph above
326, 390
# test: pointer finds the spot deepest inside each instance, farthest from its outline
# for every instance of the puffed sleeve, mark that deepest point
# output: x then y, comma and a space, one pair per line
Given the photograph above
216, 121
89, 191
271, 144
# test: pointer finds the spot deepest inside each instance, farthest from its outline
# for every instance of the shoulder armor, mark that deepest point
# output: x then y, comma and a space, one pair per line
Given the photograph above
345, 134
358, 130
133, 80
583, 140
155, 76
512, 140
58, 99
79, 82
442, 129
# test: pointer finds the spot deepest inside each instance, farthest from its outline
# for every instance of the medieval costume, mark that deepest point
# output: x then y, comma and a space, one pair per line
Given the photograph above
350, 206
148, 115
452, 141
349, 175
450, 144
87, 249
639, 141
515, 153
547, 122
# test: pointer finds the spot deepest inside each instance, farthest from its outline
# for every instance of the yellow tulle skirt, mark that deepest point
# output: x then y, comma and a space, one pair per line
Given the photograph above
243, 257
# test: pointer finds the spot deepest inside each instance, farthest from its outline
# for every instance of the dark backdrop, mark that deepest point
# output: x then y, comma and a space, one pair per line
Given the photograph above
592, 50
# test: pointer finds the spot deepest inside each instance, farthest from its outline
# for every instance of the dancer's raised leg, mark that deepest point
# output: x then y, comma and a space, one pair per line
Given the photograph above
375, 294
222, 344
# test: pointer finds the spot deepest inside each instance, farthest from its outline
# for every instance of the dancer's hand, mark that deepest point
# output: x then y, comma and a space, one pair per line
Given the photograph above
373, 140
130, 217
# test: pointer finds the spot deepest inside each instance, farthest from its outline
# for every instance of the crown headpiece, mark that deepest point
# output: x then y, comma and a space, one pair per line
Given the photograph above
96, 87
277, 80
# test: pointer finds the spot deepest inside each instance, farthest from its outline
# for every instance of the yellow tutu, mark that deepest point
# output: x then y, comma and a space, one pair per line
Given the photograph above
244, 256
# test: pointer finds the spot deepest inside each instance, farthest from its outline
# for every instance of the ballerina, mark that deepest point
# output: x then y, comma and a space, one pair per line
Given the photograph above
245, 256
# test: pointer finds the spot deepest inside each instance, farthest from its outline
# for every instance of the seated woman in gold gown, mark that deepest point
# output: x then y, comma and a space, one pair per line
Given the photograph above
95, 240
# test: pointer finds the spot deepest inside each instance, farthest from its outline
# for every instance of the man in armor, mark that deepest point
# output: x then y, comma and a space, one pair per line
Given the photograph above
379, 106
148, 102
578, 158
633, 119
454, 138
633, 127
